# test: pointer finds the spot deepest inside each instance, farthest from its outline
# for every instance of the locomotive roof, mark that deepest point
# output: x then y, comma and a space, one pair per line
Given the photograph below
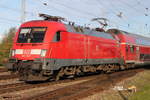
88, 31
79, 29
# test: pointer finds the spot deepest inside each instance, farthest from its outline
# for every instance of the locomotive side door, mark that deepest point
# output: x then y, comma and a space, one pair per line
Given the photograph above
137, 53
86, 47
131, 53
86, 44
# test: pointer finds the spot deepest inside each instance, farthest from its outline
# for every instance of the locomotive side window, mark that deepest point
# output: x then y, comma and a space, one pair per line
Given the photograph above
142, 41
31, 35
57, 37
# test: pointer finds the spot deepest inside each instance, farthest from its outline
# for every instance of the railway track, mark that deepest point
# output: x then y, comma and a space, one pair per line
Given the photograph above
84, 89
9, 76
93, 83
3, 69
25, 86
5, 74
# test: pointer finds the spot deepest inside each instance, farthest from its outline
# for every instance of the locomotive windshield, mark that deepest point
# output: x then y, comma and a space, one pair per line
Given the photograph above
31, 35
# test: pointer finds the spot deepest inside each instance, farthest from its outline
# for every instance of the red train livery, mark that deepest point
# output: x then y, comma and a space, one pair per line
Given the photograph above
46, 49
134, 48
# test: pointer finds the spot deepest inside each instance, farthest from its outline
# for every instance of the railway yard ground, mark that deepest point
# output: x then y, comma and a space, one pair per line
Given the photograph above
131, 84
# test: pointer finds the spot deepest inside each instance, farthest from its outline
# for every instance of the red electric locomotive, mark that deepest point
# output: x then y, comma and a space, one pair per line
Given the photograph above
50, 49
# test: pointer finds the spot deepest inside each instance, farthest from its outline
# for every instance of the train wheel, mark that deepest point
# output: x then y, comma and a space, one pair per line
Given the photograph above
57, 77
58, 74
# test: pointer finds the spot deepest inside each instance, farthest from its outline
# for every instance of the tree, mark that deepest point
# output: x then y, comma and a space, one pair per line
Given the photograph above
6, 44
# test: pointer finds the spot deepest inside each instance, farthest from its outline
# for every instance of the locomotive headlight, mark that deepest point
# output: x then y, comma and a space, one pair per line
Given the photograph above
43, 53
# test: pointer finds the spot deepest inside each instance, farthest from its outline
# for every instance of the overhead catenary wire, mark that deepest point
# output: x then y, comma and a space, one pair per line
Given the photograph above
82, 14
124, 17
7, 22
48, 8
74, 9
86, 14
116, 11
140, 11
16, 10
7, 19
139, 2
77, 10
101, 4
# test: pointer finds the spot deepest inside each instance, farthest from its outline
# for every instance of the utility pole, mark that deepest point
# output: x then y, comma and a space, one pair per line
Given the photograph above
23, 12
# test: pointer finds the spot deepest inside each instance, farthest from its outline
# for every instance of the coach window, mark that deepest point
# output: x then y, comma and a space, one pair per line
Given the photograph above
126, 48
132, 48
57, 37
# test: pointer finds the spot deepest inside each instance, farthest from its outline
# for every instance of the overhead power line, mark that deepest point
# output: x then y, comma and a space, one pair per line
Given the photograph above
7, 19
140, 11
75, 9
16, 10
84, 13
116, 13
58, 9
6, 22
78, 11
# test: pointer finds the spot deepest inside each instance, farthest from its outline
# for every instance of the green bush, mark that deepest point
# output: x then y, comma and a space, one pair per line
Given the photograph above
6, 44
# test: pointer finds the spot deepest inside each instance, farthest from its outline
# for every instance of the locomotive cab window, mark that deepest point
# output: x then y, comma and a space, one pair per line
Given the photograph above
38, 35
31, 35
57, 37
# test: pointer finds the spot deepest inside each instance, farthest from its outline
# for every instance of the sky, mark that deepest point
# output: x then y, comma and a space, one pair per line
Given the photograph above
128, 15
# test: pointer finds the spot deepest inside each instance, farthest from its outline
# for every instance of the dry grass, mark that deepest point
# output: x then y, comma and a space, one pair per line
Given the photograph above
141, 81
